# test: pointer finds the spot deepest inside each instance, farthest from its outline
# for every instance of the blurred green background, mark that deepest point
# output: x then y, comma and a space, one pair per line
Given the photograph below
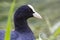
47, 27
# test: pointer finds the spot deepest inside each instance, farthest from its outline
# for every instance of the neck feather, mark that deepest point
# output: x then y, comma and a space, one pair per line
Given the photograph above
21, 25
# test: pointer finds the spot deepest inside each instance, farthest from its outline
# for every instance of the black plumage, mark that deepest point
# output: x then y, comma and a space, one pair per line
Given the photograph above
22, 30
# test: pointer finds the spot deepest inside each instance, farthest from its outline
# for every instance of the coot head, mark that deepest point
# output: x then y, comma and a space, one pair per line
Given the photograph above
25, 12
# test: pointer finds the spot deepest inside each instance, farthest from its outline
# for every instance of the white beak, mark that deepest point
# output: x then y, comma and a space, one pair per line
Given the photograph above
36, 15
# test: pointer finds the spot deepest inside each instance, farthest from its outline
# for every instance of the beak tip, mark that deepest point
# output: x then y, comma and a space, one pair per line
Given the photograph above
40, 17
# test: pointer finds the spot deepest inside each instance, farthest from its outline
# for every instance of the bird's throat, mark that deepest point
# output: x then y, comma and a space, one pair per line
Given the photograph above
21, 26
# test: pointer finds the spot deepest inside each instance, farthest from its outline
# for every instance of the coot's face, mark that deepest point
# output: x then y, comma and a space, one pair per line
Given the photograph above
26, 12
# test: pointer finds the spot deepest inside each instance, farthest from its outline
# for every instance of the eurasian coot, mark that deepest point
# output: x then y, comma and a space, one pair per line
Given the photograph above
22, 30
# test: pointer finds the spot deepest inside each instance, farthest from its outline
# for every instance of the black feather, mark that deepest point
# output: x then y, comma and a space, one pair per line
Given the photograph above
22, 30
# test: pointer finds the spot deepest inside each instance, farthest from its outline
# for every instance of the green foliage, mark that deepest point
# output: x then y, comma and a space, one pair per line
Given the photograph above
8, 29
